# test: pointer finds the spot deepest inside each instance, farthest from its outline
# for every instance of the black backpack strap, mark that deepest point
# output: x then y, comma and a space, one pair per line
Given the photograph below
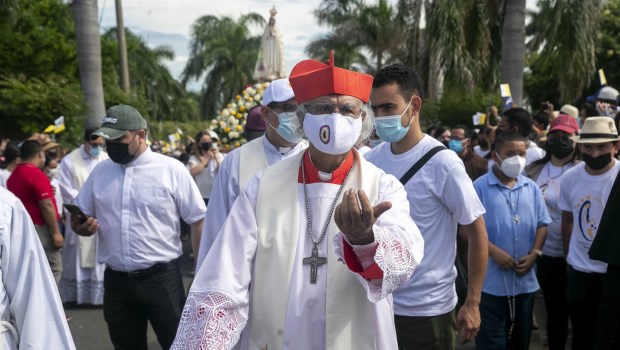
420, 163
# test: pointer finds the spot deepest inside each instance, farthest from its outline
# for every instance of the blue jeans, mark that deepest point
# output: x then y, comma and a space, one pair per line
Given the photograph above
495, 322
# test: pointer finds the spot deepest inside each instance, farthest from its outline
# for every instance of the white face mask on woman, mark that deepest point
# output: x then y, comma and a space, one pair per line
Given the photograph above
332, 133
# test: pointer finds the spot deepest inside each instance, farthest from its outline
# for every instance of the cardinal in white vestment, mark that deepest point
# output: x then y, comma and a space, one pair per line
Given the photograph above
31, 314
314, 245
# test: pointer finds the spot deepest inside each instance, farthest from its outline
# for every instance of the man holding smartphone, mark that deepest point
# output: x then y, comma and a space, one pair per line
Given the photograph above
136, 200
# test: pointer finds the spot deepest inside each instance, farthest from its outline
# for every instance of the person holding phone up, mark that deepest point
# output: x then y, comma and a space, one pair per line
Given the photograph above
205, 163
136, 200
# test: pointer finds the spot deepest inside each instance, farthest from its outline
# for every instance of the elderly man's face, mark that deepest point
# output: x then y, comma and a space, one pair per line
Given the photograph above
345, 105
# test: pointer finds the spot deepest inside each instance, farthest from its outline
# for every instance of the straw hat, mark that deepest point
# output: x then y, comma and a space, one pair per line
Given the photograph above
598, 130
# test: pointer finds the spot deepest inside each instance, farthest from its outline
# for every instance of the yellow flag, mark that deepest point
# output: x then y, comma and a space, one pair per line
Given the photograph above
59, 129
601, 77
50, 128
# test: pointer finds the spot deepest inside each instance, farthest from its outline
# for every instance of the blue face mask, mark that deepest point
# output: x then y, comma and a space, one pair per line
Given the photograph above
390, 129
288, 127
95, 151
456, 145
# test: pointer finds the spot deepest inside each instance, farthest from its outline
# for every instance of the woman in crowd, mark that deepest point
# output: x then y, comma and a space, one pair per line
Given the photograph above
205, 163
560, 156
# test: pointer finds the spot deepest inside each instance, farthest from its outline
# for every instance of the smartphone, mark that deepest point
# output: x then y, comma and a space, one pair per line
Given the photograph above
75, 210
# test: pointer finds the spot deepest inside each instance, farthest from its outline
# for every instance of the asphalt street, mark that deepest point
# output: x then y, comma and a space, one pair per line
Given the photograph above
90, 331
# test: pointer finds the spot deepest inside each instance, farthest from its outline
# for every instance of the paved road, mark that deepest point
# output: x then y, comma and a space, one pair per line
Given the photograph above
89, 329
91, 333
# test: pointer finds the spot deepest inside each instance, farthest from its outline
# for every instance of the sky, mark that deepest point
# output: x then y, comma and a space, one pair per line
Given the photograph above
168, 22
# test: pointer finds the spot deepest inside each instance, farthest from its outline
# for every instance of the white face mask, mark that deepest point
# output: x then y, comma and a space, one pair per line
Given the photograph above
332, 133
513, 167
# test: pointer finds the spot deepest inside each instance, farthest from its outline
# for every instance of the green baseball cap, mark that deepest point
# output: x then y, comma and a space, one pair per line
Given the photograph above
118, 120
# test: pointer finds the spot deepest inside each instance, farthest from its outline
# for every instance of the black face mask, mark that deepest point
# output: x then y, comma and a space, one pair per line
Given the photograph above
205, 146
446, 143
597, 163
560, 147
119, 152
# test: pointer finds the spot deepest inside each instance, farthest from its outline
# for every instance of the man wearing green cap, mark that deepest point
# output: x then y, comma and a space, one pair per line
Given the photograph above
135, 200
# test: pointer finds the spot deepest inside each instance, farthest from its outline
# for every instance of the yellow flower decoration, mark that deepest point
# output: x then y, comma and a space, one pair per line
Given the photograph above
250, 98
239, 115
238, 97
241, 108
237, 144
239, 128
226, 129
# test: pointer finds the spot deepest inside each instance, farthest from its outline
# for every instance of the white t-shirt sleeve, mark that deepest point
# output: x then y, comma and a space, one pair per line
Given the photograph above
460, 196
541, 208
564, 199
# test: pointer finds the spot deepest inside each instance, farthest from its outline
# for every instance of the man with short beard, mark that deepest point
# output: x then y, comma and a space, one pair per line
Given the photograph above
323, 238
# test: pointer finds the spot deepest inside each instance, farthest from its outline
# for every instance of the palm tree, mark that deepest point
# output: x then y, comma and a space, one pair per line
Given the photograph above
566, 34
226, 52
89, 58
513, 48
150, 77
358, 27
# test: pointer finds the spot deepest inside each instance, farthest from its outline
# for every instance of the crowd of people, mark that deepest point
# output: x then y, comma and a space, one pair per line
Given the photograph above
339, 225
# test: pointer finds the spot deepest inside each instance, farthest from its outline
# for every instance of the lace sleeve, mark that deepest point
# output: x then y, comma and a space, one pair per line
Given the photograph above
211, 319
394, 256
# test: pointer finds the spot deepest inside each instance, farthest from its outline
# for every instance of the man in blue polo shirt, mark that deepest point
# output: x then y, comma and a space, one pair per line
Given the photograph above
516, 221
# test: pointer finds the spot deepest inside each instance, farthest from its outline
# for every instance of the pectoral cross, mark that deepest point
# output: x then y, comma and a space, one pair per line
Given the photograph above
516, 219
314, 261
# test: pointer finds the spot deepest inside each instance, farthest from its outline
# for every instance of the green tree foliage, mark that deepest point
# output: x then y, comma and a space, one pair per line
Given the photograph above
223, 52
358, 27
152, 85
608, 47
565, 34
39, 74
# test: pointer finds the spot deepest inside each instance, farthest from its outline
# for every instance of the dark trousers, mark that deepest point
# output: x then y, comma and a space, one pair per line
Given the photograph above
584, 299
607, 336
426, 333
551, 274
129, 302
495, 322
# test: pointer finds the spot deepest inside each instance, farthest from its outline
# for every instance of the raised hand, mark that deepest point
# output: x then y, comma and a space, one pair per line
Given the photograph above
355, 216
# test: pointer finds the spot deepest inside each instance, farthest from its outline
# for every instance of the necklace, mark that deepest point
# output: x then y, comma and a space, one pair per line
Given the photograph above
512, 300
562, 170
315, 260
513, 208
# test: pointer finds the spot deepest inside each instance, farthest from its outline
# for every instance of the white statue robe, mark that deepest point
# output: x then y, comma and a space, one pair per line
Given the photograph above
82, 276
30, 308
262, 244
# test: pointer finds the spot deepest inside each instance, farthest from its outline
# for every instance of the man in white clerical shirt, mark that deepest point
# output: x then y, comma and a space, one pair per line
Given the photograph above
314, 244
282, 140
82, 276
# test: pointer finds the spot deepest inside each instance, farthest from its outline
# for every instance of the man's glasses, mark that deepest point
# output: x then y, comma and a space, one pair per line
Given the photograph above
283, 107
349, 110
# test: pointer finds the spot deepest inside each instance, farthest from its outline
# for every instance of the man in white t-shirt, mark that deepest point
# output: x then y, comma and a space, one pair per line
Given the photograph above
583, 193
519, 120
282, 140
441, 196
